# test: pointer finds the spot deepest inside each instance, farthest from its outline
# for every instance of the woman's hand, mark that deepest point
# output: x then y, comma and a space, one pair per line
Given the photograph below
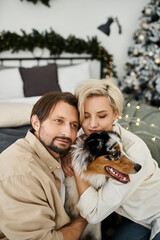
67, 165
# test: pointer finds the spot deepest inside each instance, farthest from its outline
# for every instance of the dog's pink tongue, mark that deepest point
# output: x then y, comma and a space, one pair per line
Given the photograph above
124, 178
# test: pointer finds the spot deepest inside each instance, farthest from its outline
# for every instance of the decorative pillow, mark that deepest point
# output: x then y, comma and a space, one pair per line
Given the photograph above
11, 84
70, 77
15, 114
39, 80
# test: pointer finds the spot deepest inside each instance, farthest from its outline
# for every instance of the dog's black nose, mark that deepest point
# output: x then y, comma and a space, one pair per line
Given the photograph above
137, 167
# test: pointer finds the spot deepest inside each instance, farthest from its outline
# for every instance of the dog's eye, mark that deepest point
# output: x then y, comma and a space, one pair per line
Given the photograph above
116, 154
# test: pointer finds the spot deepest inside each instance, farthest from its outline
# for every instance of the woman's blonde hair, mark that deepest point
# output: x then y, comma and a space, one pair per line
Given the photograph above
96, 87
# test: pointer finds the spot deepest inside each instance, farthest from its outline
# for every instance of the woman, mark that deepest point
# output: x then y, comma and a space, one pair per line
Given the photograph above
100, 103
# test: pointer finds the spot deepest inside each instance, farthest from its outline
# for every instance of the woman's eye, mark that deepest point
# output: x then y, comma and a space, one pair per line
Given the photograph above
103, 116
86, 117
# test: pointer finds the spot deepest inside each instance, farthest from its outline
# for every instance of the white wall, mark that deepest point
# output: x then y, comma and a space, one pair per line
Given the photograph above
78, 17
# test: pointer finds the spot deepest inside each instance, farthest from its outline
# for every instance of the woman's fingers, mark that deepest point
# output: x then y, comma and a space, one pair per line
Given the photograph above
67, 165
68, 171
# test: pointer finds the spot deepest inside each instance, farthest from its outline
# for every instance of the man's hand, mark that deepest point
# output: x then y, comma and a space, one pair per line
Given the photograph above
75, 229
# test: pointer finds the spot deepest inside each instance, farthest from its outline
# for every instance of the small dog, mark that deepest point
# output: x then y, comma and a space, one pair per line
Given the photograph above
95, 158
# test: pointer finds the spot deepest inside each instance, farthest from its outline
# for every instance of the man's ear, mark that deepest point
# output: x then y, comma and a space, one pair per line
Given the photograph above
35, 122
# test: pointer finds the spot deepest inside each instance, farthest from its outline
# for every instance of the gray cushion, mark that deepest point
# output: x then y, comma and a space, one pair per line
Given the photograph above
39, 80
148, 116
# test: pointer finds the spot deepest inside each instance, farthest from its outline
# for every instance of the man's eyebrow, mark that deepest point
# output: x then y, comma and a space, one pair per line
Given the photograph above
76, 122
59, 117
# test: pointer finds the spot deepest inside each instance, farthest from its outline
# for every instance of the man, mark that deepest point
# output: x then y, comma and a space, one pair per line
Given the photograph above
31, 193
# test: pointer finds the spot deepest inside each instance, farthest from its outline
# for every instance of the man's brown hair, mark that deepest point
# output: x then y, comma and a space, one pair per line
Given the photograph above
48, 101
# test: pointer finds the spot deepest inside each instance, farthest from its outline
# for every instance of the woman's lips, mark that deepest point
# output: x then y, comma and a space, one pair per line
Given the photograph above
94, 131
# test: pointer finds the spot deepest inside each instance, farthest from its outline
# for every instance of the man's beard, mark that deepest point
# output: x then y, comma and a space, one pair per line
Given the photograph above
56, 149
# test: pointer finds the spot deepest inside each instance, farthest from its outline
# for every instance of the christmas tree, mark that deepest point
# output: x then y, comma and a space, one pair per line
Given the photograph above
142, 78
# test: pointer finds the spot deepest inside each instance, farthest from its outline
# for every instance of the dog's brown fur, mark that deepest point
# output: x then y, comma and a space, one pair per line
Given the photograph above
123, 165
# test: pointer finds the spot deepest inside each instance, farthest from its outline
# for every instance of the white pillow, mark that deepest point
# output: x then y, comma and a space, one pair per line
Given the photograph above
11, 84
15, 114
70, 77
29, 100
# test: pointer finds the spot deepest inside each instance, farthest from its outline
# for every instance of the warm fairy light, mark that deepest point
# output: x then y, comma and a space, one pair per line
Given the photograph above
157, 60
128, 81
128, 104
144, 25
150, 54
127, 122
141, 37
138, 122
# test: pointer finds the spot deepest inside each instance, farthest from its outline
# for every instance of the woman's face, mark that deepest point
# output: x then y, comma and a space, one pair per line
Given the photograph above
98, 115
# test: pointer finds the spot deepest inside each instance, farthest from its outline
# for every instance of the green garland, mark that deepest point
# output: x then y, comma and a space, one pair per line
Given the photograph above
45, 2
56, 44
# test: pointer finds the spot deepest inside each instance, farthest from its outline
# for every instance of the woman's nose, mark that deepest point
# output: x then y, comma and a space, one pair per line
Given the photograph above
93, 122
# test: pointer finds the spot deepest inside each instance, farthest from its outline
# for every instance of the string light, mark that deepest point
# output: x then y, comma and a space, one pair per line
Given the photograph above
144, 61
57, 45
126, 121
128, 104
157, 61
